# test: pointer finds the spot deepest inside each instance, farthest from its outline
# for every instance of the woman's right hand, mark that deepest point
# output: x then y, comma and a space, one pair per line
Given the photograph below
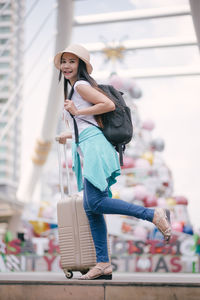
62, 138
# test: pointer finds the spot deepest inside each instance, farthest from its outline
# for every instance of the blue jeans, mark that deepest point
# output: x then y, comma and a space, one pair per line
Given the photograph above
96, 203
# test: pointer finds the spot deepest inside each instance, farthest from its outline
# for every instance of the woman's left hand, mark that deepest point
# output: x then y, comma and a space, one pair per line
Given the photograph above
70, 107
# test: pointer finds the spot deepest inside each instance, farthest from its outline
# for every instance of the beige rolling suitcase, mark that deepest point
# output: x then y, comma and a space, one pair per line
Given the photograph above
75, 241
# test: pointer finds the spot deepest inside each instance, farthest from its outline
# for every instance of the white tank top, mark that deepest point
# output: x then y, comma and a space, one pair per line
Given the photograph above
80, 103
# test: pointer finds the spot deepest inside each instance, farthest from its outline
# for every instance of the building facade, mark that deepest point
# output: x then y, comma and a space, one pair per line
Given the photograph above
11, 64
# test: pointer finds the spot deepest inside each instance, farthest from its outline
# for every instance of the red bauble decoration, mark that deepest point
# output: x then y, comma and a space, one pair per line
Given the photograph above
151, 201
177, 226
128, 162
148, 125
181, 200
69, 164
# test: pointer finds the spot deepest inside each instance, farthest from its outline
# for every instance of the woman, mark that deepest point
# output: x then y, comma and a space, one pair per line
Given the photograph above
100, 160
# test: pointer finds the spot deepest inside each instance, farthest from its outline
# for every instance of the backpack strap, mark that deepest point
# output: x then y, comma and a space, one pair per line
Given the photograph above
73, 117
120, 148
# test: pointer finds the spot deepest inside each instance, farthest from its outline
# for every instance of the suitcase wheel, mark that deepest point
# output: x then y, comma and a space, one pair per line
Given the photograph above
83, 272
69, 274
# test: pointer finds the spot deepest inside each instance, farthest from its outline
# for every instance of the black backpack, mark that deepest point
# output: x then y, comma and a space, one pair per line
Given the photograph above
117, 124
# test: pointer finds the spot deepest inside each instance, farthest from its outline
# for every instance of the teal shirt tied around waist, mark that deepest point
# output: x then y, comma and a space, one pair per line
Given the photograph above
100, 160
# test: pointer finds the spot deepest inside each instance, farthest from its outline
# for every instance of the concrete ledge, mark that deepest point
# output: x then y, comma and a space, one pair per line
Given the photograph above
54, 286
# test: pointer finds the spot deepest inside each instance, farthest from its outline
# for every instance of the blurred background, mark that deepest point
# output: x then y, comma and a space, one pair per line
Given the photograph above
147, 49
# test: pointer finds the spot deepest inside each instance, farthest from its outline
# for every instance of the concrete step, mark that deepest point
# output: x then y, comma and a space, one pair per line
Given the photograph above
137, 286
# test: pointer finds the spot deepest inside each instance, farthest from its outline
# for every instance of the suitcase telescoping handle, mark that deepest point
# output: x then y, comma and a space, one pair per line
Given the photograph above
61, 168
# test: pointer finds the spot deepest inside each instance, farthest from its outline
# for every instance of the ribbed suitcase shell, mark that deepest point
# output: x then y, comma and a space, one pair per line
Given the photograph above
75, 241
76, 245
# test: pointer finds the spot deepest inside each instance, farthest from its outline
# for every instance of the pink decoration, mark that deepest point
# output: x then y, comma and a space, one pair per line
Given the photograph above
128, 84
128, 162
148, 125
142, 163
143, 264
69, 163
116, 81
150, 201
140, 192
48, 212
177, 226
126, 193
161, 202
181, 200
140, 233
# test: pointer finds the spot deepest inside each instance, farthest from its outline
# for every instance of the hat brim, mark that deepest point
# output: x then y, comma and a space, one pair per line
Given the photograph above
57, 59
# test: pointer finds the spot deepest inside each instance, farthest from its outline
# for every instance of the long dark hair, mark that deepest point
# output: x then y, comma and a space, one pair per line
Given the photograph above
82, 74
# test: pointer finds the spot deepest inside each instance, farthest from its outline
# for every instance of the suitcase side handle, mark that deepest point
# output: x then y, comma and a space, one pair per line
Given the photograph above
61, 168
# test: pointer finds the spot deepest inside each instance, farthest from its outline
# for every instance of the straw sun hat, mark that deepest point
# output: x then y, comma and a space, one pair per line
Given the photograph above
77, 50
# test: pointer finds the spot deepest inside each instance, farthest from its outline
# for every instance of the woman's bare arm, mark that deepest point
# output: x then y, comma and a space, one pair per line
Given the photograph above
64, 136
102, 104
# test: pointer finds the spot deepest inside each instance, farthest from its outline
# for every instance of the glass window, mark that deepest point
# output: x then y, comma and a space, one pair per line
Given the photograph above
5, 113
6, 53
3, 76
3, 100
3, 149
4, 65
3, 4
3, 41
2, 124
2, 174
4, 29
3, 161
5, 18
5, 89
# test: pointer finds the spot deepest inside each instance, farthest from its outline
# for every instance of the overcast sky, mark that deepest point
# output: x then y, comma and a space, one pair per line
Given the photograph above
172, 103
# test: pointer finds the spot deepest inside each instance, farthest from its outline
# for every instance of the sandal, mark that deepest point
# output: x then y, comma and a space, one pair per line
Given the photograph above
98, 272
162, 221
